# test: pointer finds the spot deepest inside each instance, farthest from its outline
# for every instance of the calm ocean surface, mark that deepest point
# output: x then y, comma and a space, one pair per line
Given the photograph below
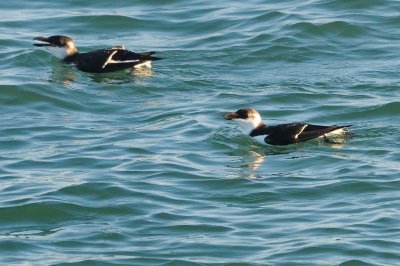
141, 169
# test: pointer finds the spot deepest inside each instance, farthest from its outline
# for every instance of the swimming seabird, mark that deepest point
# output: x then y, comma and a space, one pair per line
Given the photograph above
99, 61
283, 134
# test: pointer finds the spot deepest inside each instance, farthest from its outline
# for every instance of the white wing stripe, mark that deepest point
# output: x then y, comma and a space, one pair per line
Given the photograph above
112, 61
109, 59
122, 62
301, 130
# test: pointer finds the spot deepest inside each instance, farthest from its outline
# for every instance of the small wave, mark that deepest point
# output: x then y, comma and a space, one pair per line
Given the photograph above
332, 29
36, 96
382, 111
350, 5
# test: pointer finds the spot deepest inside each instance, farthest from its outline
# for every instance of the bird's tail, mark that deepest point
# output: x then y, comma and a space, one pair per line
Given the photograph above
148, 56
345, 126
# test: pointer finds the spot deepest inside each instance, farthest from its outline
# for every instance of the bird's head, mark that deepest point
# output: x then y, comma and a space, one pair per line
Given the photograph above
60, 46
248, 119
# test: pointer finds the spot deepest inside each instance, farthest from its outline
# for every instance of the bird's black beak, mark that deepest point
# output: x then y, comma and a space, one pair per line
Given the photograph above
44, 40
230, 116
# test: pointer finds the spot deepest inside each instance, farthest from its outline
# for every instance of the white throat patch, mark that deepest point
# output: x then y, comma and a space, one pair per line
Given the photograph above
248, 125
59, 52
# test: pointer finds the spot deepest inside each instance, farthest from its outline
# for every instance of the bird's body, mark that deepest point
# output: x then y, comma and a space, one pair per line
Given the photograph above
109, 60
99, 61
283, 134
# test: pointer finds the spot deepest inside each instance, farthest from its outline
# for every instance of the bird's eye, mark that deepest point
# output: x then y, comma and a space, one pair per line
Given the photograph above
242, 113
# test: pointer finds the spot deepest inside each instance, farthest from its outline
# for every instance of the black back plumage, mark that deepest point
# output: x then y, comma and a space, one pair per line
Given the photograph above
285, 134
95, 61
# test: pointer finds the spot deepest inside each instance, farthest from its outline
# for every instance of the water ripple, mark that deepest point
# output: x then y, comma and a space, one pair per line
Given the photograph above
141, 169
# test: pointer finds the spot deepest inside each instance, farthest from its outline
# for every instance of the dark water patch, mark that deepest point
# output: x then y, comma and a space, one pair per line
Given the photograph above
356, 262
268, 16
374, 112
110, 21
261, 39
49, 162
36, 96
46, 213
357, 6
334, 29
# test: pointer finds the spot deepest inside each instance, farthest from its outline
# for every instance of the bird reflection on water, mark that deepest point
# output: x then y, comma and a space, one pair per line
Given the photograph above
66, 75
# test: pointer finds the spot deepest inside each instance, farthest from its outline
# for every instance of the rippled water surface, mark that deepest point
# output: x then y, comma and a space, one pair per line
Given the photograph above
141, 169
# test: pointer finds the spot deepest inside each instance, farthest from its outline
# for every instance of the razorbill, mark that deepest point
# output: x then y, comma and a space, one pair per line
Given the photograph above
99, 61
253, 125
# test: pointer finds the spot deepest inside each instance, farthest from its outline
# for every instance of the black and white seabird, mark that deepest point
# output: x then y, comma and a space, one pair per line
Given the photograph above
99, 61
253, 125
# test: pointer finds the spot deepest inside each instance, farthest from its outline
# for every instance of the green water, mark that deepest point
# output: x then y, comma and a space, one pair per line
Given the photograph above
141, 169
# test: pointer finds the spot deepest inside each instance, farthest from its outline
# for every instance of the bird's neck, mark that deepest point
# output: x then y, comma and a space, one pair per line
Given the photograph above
71, 57
259, 130
72, 51
249, 125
